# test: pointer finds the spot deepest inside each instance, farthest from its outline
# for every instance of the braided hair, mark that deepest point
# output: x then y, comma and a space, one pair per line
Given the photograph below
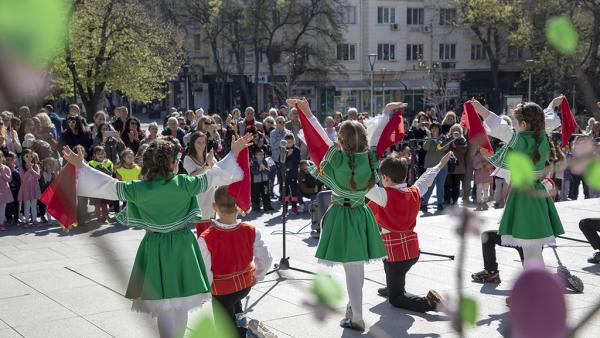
158, 160
533, 115
352, 137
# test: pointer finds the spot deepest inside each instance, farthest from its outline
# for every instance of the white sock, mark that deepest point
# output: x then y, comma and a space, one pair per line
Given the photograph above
355, 278
172, 324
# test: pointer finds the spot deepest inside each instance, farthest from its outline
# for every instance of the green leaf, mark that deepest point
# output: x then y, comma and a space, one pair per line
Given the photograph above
592, 174
327, 290
467, 310
34, 29
562, 35
205, 327
521, 169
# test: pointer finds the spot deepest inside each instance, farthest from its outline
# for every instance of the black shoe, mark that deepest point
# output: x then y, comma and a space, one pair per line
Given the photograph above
383, 292
435, 300
440, 207
424, 209
43, 219
269, 209
349, 324
595, 259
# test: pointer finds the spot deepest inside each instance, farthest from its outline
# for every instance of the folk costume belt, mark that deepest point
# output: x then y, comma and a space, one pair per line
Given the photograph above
158, 233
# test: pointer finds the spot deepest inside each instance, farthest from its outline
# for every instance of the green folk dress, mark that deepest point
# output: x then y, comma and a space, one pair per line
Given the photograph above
168, 272
530, 217
349, 229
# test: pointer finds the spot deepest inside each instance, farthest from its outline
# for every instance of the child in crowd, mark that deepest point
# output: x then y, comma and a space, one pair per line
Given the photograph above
292, 162
29, 191
169, 277
260, 181
49, 166
396, 208
5, 193
12, 208
482, 179
307, 182
102, 164
128, 170
231, 273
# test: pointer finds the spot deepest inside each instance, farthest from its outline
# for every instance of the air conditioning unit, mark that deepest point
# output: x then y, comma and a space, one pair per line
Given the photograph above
427, 29
415, 28
394, 26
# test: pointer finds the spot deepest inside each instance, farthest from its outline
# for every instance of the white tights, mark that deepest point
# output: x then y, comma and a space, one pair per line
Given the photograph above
172, 324
533, 254
355, 279
30, 209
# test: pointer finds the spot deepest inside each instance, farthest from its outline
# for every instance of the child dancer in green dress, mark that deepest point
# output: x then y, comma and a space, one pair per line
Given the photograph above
530, 219
350, 235
169, 276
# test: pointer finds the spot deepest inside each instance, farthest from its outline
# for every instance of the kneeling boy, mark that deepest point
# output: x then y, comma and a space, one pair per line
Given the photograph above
396, 208
234, 255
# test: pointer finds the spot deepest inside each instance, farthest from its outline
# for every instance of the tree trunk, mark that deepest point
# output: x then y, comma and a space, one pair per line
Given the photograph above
495, 103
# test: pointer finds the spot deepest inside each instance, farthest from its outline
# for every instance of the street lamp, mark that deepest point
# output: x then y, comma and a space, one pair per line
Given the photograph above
574, 78
186, 70
372, 58
530, 64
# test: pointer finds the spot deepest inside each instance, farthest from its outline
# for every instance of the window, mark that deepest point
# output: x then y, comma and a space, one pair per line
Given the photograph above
447, 16
415, 16
414, 52
386, 15
197, 42
447, 51
348, 15
515, 53
386, 52
477, 52
346, 52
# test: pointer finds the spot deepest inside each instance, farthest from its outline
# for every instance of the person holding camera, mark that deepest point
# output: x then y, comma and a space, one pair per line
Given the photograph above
436, 149
108, 138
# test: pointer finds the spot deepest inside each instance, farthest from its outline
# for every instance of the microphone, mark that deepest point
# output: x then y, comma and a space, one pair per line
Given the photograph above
282, 151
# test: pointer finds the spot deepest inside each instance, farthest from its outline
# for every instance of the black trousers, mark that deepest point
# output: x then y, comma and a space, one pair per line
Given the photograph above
41, 209
232, 304
395, 278
12, 208
291, 188
590, 228
574, 188
452, 188
260, 191
489, 240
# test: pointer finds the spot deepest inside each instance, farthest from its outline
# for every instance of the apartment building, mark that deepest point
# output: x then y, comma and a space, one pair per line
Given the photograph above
419, 57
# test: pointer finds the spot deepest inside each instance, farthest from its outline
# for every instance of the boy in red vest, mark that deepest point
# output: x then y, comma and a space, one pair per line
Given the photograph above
234, 255
396, 208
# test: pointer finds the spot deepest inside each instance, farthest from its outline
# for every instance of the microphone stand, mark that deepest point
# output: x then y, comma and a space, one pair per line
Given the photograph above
284, 262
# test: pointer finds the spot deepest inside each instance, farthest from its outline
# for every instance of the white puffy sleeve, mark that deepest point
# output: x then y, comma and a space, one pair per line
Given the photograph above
496, 127
96, 184
224, 172
378, 195
262, 257
551, 119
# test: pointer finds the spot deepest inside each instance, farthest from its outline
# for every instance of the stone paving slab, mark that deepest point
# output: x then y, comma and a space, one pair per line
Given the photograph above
69, 285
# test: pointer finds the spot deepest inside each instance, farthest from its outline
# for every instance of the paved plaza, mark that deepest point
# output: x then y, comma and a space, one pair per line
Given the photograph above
56, 284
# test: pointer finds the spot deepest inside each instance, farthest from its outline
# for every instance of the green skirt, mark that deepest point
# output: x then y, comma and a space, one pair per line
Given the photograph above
168, 273
530, 218
349, 235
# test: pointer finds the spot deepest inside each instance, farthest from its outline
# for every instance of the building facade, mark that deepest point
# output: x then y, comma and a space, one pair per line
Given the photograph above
421, 58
